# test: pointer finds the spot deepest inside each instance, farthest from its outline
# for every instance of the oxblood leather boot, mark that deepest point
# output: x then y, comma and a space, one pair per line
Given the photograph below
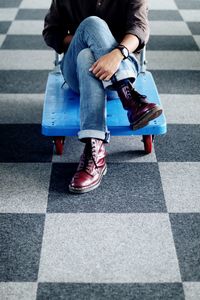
91, 168
140, 111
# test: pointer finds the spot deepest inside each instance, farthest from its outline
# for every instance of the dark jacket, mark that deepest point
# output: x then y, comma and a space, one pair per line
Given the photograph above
122, 16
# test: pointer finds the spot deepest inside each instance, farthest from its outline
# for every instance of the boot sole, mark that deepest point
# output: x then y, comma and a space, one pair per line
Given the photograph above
88, 189
147, 117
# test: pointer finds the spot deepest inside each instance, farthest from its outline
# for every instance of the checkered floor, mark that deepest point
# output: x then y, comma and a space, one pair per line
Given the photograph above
138, 235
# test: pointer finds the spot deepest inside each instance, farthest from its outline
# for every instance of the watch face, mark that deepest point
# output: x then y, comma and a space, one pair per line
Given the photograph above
125, 52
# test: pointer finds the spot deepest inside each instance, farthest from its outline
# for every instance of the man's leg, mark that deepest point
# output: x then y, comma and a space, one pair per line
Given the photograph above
92, 165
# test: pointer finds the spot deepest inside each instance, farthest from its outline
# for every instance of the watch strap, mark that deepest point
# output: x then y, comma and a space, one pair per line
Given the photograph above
121, 47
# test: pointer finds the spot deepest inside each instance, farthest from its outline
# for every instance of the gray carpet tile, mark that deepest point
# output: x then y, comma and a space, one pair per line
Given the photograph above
108, 248
191, 290
21, 108
9, 3
130, 187
177, 82
21, 238
194, 27
181, 144
23, 81
181, 43
24, 187
183, 189
31, 14
18, 290
165, 15
4, 27
24, 143
186, 232
181, 109
74, 291
185, 4
24, 42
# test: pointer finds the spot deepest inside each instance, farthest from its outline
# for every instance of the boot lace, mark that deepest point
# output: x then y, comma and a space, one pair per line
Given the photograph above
127, 91
137, 96
88, 159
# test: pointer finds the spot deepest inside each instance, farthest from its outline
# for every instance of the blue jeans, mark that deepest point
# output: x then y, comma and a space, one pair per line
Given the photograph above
93, 39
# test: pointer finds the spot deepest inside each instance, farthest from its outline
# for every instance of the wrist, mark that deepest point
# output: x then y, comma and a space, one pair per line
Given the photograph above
118, 54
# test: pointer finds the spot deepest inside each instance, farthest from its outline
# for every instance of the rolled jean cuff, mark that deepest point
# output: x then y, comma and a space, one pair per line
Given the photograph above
120, 75
94, 134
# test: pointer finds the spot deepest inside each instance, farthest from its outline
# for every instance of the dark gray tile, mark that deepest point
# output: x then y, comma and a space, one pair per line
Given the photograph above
181, 143
24, 143
186, 233
31, 14
23, 81
177, 82
181, 43
21, 239
125, 291
165, 15
194, 27
127, 187
25, 42
4, 27
185, 4
9, 3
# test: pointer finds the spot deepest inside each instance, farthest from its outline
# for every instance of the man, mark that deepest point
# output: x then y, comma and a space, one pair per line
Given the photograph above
98, 39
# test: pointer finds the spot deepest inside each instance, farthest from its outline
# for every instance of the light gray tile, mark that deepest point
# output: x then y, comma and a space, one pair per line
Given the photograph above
108, 248
180, 181
191, 290
197, 39
120, 149
162, 4
21, 108
26, 60
2, 38
128, 149
35, 4
169, 28
8, 14
26, 27
18, 290
173, 60
24, 187
31, 14
190, 15
181, 109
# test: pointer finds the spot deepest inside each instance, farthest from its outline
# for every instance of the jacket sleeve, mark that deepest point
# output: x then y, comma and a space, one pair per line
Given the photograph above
137, 21
53, 31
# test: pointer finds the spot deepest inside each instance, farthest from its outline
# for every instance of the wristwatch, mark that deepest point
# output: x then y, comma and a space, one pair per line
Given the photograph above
124, 50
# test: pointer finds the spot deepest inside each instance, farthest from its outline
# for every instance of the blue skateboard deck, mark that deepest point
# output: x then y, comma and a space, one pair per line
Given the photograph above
61, 109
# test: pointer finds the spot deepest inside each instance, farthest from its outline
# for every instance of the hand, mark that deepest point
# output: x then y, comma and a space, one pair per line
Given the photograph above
107, 65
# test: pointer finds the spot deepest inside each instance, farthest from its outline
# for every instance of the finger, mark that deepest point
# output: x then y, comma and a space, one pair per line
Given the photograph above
93, 66
97, 69
100, 73
107, 78
103, 76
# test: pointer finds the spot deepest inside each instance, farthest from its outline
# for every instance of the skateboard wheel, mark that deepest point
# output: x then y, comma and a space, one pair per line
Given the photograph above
59, 145
148, 143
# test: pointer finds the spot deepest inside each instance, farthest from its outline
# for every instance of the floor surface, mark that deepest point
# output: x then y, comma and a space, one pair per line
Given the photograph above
138, 235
